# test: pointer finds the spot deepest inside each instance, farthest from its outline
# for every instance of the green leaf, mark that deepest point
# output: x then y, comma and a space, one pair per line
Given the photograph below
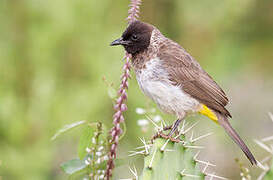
67, 128
79, 175
73, 166
85, 140
118, 162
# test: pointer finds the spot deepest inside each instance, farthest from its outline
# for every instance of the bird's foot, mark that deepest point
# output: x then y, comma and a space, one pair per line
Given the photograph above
161, 134
173, 131
173, 139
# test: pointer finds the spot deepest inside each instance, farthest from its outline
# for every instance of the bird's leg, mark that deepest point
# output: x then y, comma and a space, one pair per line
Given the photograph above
174, 127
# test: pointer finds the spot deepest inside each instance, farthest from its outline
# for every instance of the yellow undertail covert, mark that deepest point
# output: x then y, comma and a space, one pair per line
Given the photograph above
207, 112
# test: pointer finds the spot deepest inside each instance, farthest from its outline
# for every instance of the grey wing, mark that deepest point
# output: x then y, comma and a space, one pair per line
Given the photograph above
188, 74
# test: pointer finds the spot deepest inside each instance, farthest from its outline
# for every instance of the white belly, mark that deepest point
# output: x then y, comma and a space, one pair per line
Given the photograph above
153, 81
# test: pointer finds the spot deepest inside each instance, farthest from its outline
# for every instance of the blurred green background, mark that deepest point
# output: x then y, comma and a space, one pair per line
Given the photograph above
54, 55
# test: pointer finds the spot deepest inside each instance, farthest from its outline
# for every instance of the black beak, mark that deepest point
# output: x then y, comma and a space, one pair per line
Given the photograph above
119, 41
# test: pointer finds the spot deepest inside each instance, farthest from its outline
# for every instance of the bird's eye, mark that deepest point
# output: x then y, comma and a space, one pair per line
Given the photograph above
134, 37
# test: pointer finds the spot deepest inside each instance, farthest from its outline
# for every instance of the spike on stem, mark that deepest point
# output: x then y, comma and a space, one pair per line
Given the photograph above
151, 162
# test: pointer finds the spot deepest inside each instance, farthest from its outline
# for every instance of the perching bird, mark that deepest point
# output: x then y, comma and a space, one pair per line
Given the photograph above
174, 80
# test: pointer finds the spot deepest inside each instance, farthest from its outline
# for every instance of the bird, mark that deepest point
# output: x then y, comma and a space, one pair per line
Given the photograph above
174, 80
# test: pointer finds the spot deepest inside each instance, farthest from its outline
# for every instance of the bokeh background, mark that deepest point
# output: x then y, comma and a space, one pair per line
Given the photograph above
54, 55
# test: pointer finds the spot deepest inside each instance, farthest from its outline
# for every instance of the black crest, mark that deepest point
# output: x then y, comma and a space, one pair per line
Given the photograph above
136, 37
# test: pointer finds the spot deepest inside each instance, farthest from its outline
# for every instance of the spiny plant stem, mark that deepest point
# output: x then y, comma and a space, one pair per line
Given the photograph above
120, 105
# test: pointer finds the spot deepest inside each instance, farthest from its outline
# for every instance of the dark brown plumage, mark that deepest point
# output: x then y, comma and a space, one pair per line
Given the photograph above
174, 79
187, 73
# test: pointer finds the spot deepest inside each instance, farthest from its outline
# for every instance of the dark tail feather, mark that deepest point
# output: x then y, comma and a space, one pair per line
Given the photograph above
223, 121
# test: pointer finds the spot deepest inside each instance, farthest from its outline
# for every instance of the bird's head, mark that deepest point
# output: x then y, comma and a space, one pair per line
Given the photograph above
136, 38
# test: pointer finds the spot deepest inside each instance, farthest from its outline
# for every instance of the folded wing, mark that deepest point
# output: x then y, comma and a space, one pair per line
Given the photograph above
186, 72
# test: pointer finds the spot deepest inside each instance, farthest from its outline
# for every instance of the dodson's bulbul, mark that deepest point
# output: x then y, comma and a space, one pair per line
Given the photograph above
174, 80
